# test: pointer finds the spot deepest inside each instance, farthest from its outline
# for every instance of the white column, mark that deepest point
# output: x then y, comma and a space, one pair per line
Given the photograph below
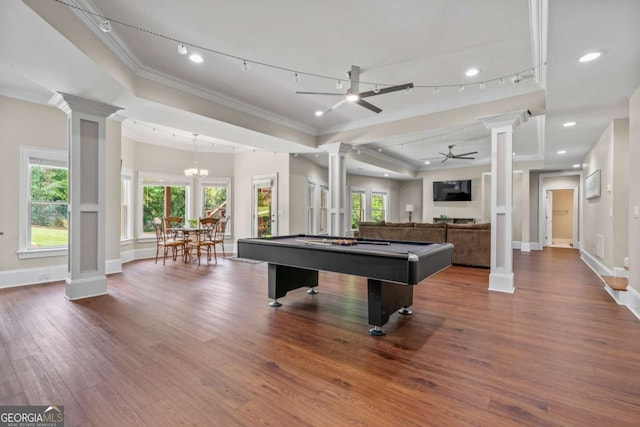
87, 173
501, 277
338, 206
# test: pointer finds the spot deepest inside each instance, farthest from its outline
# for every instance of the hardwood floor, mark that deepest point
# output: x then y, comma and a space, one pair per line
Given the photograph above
199, 345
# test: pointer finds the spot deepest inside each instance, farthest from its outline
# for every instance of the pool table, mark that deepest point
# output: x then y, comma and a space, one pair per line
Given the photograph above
391, 267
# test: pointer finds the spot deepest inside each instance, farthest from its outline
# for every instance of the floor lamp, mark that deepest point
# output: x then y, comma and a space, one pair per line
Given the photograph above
410, 209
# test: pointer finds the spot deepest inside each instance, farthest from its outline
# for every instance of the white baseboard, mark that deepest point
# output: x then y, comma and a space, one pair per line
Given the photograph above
525, 247
501, 282
593, 263
620, 272
535, 246
33, 276
516, 245
633, 301
112, 266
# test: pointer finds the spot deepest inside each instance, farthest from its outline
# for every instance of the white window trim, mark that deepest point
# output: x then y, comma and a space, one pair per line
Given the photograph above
166, 179
312, 206
26, 152
325, 186
128, 174
386, 203
222, 181
362, 191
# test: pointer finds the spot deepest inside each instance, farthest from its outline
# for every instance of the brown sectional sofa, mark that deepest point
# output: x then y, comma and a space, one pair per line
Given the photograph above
471, 242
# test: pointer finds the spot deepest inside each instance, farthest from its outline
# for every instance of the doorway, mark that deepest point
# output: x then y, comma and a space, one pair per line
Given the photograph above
559, 231
265, 206
567, 210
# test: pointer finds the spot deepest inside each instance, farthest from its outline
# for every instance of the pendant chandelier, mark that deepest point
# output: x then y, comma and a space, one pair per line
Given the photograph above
194, 171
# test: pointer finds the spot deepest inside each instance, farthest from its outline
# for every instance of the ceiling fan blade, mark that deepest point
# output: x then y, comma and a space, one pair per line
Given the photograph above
336, 105
464, 158
466, 154
354, 76
445, 159
319, 93
386, 90
369, 106
446, 155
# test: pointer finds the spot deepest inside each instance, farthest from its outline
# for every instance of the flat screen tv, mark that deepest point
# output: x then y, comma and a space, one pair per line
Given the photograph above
452, 191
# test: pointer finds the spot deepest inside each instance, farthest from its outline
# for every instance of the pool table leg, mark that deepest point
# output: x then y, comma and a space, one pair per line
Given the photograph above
384, 298
312, 290
283, 278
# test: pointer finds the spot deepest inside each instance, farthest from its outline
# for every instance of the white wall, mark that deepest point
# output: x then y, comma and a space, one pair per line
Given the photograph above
634, 191
410, 194
23, 123
600, 212
472, 209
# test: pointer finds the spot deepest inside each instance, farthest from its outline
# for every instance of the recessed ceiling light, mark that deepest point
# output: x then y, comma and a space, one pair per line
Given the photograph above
194, 57
386, 174
569, 124
590, 56
576, 165
427, 162
513, 154
471, 72
318, 113
562, 151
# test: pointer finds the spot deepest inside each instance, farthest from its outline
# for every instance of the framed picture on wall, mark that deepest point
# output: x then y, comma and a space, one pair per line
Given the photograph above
592, 185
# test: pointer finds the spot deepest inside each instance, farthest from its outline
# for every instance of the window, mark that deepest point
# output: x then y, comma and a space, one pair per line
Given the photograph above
126, 211
378, 206
324, 205
215, 199
44, 183
160, 196
357, 207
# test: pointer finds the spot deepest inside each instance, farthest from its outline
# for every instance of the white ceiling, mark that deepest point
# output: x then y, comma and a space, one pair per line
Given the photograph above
427, 42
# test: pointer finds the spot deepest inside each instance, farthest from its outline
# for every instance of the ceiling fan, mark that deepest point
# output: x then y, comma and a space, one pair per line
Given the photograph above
450, 155
354, 95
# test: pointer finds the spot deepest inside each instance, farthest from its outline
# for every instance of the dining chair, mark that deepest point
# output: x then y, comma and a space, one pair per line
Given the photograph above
218, 236
173, 226
164, 243
204, 237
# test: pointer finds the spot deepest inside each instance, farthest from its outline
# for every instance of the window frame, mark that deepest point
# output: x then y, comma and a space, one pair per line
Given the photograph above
25, 251
385, 202
215, 182
363, 207
165, 180
126, 175
323, 188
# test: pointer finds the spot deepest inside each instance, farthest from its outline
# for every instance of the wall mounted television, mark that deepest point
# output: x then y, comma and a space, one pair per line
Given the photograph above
452, 191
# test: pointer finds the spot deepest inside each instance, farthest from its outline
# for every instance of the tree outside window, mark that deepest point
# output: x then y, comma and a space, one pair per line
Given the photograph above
48, 205
357, 208
378, 206
214, 199
159, 201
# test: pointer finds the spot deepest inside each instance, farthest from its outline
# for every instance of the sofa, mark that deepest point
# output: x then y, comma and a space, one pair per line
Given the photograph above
471, 242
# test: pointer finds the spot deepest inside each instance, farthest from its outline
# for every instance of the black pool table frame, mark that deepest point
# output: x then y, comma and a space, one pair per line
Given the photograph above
391, 269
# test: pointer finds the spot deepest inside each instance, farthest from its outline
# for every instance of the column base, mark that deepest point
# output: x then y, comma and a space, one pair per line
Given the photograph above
86, 287
501, 282
525, 247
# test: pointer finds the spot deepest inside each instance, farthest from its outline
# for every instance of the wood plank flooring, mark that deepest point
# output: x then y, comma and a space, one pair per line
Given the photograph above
199, 345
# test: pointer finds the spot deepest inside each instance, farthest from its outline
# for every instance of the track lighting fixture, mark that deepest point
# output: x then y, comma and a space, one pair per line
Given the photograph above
460, 89
407, 91
483, 85
376, 89
245, 66
105, 26
182, 49
339, 84
436, 90
501, 81
296, 77
516, 78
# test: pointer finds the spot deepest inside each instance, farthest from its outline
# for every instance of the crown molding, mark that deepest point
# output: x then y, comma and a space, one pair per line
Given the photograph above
120, 48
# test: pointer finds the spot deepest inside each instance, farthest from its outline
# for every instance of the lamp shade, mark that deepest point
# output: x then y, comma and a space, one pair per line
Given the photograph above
410, 208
